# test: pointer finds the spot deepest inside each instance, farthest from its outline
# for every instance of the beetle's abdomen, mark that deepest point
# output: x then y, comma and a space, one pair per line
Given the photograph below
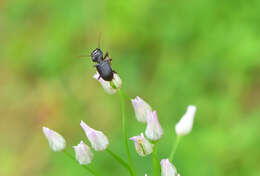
105, 71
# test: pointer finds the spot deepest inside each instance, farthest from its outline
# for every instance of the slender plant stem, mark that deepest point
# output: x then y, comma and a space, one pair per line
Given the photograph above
124, 131
174, 147
126, 96
156, 167
120, 160
84, 166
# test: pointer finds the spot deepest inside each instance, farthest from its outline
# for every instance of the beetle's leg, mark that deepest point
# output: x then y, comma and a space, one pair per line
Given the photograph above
114, 71
99, 77
96, 65
107, 57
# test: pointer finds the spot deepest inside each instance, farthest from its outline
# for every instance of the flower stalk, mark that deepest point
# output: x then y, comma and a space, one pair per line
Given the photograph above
174, 148
121, 94
120, 160
156, 163
94, 173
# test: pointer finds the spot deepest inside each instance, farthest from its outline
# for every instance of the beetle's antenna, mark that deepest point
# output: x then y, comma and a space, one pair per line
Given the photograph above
99, 39
80, 56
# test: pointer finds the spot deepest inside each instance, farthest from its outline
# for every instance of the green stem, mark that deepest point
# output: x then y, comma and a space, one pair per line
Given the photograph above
120, 160
126, 96
174, 148
124, 131
156, 164
84, 166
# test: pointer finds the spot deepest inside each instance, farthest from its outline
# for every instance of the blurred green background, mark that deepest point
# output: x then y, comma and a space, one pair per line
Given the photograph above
171, 53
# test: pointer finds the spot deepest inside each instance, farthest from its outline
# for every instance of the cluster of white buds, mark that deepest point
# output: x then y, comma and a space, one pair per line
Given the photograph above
153, 131
98, 141
84, 155
110, 87
144, 114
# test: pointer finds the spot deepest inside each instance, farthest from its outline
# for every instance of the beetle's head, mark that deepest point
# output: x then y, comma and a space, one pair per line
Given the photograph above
97, 55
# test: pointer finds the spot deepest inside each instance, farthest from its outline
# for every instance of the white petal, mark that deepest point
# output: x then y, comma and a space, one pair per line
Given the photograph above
117, 81
142, 145
140, 107
153, 130
56, 141
167, 168
97, 139
184, 126
107, 84
83, 153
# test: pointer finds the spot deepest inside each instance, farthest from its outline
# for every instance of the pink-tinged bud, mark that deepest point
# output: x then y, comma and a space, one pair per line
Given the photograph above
184, 126
83, 153
97, 139
56, 141
143, 146
140, 107
167, 168
110, 87
153, 130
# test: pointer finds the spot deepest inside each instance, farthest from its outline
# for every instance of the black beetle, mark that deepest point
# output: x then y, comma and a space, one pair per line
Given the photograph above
103, 65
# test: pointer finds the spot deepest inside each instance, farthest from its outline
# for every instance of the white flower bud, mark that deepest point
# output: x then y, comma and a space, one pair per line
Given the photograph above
117, 81
97, 139
110, 87
84, 154
184, 126
153, 130
56, 141
143, 146
140, 107
167, 168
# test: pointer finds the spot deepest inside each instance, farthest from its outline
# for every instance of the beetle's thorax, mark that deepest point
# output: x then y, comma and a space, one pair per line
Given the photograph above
99, 60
